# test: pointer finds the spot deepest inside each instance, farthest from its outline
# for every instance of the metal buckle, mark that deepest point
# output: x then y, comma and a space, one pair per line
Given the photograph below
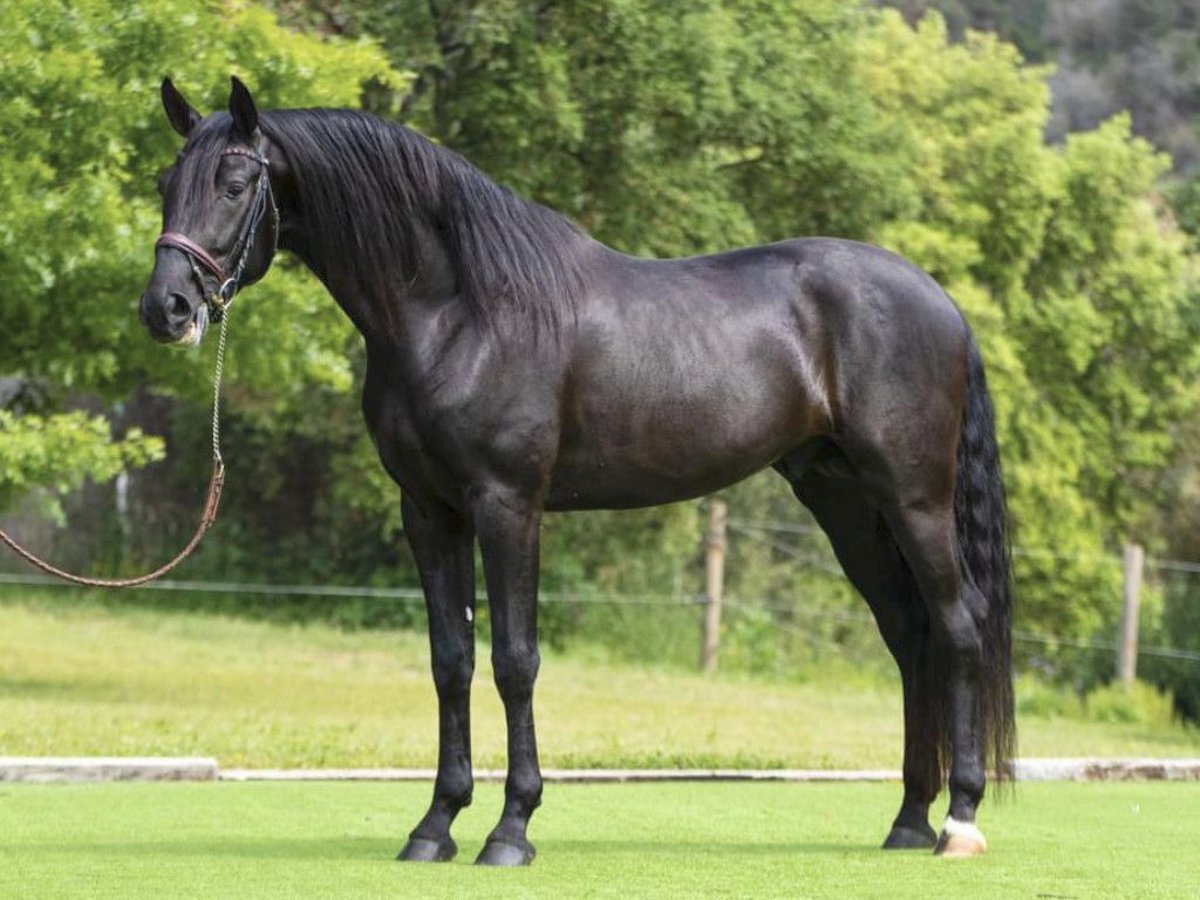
217, 303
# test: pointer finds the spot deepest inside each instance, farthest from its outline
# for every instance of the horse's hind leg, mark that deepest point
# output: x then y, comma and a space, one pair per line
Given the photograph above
915, 495
868, 554
443, 546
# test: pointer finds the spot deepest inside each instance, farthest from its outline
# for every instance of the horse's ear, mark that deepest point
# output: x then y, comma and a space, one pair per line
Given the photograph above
243, 110
180, 113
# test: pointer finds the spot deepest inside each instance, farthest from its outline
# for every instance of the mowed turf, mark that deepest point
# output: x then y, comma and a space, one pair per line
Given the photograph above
89, 680
623, 841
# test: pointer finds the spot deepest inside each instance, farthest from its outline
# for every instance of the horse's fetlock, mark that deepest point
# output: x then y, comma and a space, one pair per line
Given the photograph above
526, 787
455, 799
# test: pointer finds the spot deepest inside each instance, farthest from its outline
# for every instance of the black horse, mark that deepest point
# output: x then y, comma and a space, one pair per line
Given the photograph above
515, 366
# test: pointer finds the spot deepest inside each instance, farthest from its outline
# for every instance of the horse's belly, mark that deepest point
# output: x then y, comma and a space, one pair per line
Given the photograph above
649, 456
607, 486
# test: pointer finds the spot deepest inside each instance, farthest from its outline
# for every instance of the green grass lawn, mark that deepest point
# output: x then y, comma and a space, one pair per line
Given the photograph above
89, 680
624, 841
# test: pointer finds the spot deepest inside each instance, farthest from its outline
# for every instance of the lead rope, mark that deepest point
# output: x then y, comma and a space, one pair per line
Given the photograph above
207, 517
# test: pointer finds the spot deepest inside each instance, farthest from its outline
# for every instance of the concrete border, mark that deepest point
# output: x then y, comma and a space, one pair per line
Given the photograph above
101, 769
1146, 769
581, 776
83, 769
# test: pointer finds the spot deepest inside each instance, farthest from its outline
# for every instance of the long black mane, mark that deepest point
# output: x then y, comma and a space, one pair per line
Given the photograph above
366, 182
364, 185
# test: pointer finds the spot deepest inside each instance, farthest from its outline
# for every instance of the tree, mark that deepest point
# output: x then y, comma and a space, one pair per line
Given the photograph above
677, 129
1077, 283
84, 138
666, 129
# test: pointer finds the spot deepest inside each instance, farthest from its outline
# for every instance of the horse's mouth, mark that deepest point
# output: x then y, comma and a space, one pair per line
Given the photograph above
195, 330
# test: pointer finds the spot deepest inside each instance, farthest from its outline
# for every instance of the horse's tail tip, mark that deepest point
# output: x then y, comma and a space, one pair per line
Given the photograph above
981, 518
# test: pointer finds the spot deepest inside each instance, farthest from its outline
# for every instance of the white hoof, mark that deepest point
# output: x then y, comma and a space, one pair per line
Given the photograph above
960, 839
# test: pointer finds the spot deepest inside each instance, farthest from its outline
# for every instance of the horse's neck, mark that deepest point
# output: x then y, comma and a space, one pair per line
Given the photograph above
401, 316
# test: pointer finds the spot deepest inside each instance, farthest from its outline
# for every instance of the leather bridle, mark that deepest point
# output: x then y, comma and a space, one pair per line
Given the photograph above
229, 282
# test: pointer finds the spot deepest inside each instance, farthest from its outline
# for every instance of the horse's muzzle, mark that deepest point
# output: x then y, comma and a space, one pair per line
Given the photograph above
172, 317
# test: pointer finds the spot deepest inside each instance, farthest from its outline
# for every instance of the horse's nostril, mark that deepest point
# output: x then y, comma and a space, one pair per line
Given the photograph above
178, 307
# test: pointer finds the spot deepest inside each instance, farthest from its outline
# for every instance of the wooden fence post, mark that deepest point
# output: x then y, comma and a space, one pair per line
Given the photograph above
1127, 650
714, 584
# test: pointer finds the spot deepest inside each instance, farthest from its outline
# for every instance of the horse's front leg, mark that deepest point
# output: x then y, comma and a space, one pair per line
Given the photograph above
508, 540
442, 544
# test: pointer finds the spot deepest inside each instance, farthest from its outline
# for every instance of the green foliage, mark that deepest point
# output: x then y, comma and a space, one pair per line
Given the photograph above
666, 129
1078, 287
1185, 202
1035, 697
828, 121
1176, 626
58, 452
1142, 705
1106, 704
84, 138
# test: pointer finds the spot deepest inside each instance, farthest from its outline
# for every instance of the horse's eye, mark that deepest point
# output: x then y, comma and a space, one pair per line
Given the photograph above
235, 190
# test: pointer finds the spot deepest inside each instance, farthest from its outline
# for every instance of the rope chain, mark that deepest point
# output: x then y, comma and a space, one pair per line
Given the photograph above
218, 370
207, 517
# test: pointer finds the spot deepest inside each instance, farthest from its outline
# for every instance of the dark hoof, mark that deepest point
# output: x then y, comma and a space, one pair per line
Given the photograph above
497, 853
425, 850
904, 838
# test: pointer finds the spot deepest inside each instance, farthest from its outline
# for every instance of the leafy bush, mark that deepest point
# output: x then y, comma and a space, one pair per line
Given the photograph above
1143, 705
1036, 697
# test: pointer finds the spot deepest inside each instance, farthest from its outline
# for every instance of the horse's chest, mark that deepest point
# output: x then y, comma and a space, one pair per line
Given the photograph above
404, 440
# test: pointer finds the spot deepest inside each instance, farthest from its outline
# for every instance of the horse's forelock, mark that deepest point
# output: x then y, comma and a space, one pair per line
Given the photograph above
198, 163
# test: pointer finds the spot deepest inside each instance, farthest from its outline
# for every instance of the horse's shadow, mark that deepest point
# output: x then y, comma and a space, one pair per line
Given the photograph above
240, 847
693, 848
384, 850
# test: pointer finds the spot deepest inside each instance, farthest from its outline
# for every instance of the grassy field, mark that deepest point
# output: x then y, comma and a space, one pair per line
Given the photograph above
631, 841
78, 679
86, 680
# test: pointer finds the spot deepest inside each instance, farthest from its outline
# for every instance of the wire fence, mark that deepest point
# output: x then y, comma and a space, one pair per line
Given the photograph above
354, 591
766, 531
775, 612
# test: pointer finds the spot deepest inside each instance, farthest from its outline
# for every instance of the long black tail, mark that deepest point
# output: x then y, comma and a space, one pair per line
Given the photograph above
981, 517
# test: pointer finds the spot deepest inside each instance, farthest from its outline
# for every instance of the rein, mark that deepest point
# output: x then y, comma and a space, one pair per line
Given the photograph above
207, 517
217, 303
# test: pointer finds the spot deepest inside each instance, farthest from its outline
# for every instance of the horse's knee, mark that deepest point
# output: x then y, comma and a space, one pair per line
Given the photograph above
515, 670
453, 669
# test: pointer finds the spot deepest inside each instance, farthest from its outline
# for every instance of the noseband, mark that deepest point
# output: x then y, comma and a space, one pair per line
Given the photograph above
229, 282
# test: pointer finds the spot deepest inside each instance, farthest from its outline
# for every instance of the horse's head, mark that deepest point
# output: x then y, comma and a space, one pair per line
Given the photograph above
220, 224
